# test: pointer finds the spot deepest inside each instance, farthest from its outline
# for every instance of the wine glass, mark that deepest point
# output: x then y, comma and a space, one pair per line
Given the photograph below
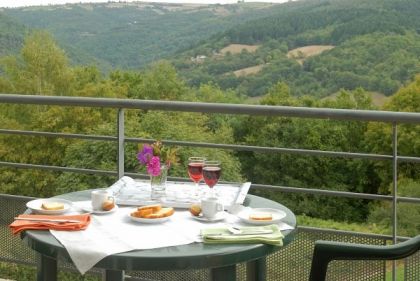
195, 172
211, 174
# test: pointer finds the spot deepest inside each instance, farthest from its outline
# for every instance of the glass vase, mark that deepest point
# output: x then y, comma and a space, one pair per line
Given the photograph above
158, 183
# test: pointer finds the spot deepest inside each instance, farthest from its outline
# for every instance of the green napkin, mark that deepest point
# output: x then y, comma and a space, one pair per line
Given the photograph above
222, 235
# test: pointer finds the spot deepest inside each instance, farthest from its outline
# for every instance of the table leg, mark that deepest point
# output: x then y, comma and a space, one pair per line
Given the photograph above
46, 268
225, 273
113, 275
256, 270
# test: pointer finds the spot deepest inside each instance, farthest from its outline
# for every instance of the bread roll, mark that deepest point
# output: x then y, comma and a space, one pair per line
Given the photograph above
144, 213
108, 205
164, 212
155, 208
52, 206
136, 214
261, 216
149, 213
195, 209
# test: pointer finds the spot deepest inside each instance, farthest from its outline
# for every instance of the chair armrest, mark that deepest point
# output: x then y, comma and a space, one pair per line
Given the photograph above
326, 251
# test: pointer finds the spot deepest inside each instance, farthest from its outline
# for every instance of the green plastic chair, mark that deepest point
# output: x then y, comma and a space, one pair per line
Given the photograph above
326, 251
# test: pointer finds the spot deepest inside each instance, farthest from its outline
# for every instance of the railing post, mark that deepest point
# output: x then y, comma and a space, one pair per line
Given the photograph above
394, 192
121, 137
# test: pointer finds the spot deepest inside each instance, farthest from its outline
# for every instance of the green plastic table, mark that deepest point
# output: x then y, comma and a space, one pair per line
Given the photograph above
220, 259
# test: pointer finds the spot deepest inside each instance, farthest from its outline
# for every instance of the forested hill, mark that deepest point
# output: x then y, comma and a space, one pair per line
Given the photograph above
330, 22
371, 44
130, 35
11, 35
316, 47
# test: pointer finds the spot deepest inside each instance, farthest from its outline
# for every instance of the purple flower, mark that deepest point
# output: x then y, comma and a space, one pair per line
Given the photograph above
153, 167
145, 155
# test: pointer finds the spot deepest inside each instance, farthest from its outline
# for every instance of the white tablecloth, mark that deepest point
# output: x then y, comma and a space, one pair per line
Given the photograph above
115, 232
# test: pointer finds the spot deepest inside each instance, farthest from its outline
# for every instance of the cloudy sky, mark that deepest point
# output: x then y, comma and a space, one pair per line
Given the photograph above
20, 3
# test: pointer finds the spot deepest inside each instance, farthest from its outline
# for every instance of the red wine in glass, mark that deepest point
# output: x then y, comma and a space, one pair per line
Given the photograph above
195, 172
211, 174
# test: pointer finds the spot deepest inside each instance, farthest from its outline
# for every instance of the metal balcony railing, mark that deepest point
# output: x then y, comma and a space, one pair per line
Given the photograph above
306, 235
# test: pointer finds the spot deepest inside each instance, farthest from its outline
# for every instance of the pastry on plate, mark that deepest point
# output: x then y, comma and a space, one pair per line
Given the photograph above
108, 205
154, 208
153, 212
164, 212
52, 206
261, 216
195, 209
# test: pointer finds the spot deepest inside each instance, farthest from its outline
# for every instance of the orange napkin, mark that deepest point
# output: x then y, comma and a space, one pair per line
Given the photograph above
21, 225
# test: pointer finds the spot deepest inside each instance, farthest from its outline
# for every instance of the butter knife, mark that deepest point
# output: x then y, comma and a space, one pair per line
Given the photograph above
46, 220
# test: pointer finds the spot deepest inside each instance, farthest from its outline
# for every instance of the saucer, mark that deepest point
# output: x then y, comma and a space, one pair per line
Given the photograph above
219, 216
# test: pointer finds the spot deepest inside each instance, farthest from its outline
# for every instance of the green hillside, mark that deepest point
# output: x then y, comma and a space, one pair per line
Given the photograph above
130, 35
372, 44
376, 46
11, 35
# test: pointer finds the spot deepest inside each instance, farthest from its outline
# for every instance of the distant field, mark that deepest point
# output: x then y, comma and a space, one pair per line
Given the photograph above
378, 99
237, 48
300, 54
248, 70
253, 100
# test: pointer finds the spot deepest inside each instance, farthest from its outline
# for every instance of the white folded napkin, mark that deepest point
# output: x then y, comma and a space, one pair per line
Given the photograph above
124, 183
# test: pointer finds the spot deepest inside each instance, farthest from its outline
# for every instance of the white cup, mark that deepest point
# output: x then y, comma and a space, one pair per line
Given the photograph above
98, 197
210, 207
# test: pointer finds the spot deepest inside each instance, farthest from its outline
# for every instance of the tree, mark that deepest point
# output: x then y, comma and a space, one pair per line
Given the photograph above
408, 215
379, 136
279, 94
212, 93
288, 169
41, 69
160, 82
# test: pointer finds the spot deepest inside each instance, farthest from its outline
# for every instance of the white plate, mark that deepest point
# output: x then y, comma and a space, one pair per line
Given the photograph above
219, 216
88, 208
35, 206
145, 220
275, 213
